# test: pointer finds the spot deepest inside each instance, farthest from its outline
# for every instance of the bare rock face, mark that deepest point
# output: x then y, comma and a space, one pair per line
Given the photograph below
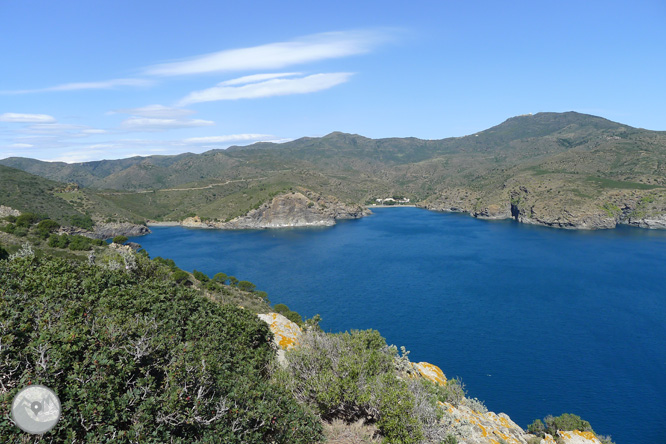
8, 211
493, 211
654, 222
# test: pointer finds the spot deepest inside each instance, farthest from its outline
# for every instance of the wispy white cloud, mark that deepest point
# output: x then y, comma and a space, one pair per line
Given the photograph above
257, 78
152, 124
268, 88
52, 128
156, 111
228, 138
20, 145
93, 131
105, 84
275, 55
26, 118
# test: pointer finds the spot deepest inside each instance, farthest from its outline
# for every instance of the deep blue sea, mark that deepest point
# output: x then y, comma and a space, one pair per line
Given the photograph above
534, 320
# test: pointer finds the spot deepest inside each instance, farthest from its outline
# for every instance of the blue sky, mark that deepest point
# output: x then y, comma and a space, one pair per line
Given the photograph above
89, 80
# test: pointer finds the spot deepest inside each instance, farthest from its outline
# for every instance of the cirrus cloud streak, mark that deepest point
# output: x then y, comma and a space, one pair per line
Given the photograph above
306, 49
26, 118
153, 124
267, 88
106, 84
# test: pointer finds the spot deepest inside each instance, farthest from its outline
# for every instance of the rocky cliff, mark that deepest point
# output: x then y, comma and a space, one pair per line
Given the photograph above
296, 209
466, 424
558, 205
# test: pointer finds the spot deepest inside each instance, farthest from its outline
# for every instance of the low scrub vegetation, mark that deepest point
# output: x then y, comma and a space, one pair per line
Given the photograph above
134, 358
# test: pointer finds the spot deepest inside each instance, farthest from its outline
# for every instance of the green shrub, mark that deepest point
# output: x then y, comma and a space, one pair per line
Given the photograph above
20, 231
453, 391
180, 276
9, 228
450, 439
565, 422
212, 285
3, 253
287, 313
46, 227
137, 359
200, 276
82, 221
10, 218
537, 428
79, 243
168, 262
120, 240
350, 376
281, 308
246, 286
27, 219
220, 278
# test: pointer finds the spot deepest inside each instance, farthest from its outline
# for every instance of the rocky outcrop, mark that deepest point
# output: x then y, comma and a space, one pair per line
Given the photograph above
112, 229
8, 211
430, 372
108, 230
657, 221
296, 209
493, 211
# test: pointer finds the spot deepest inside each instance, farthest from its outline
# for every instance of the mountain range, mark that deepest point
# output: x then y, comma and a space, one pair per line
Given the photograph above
567, 170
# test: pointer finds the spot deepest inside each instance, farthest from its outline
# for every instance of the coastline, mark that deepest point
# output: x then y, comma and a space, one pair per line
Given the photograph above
162, 224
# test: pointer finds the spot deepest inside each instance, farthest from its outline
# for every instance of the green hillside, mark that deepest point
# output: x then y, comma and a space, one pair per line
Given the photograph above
573, 160
29, 193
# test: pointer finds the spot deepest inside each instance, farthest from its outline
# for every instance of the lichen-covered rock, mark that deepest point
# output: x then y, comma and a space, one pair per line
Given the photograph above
472, 427
285, 332
430, 372
577, 437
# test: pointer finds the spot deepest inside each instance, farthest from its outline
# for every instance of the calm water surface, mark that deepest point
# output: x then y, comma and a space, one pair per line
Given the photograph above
536, 321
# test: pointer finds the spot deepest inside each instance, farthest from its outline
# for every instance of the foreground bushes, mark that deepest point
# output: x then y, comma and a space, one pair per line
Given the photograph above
134, 358
351, 376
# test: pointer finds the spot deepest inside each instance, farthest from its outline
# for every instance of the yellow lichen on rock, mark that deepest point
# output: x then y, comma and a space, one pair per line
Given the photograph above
578, 437
482, 428
285, 332
431, 372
